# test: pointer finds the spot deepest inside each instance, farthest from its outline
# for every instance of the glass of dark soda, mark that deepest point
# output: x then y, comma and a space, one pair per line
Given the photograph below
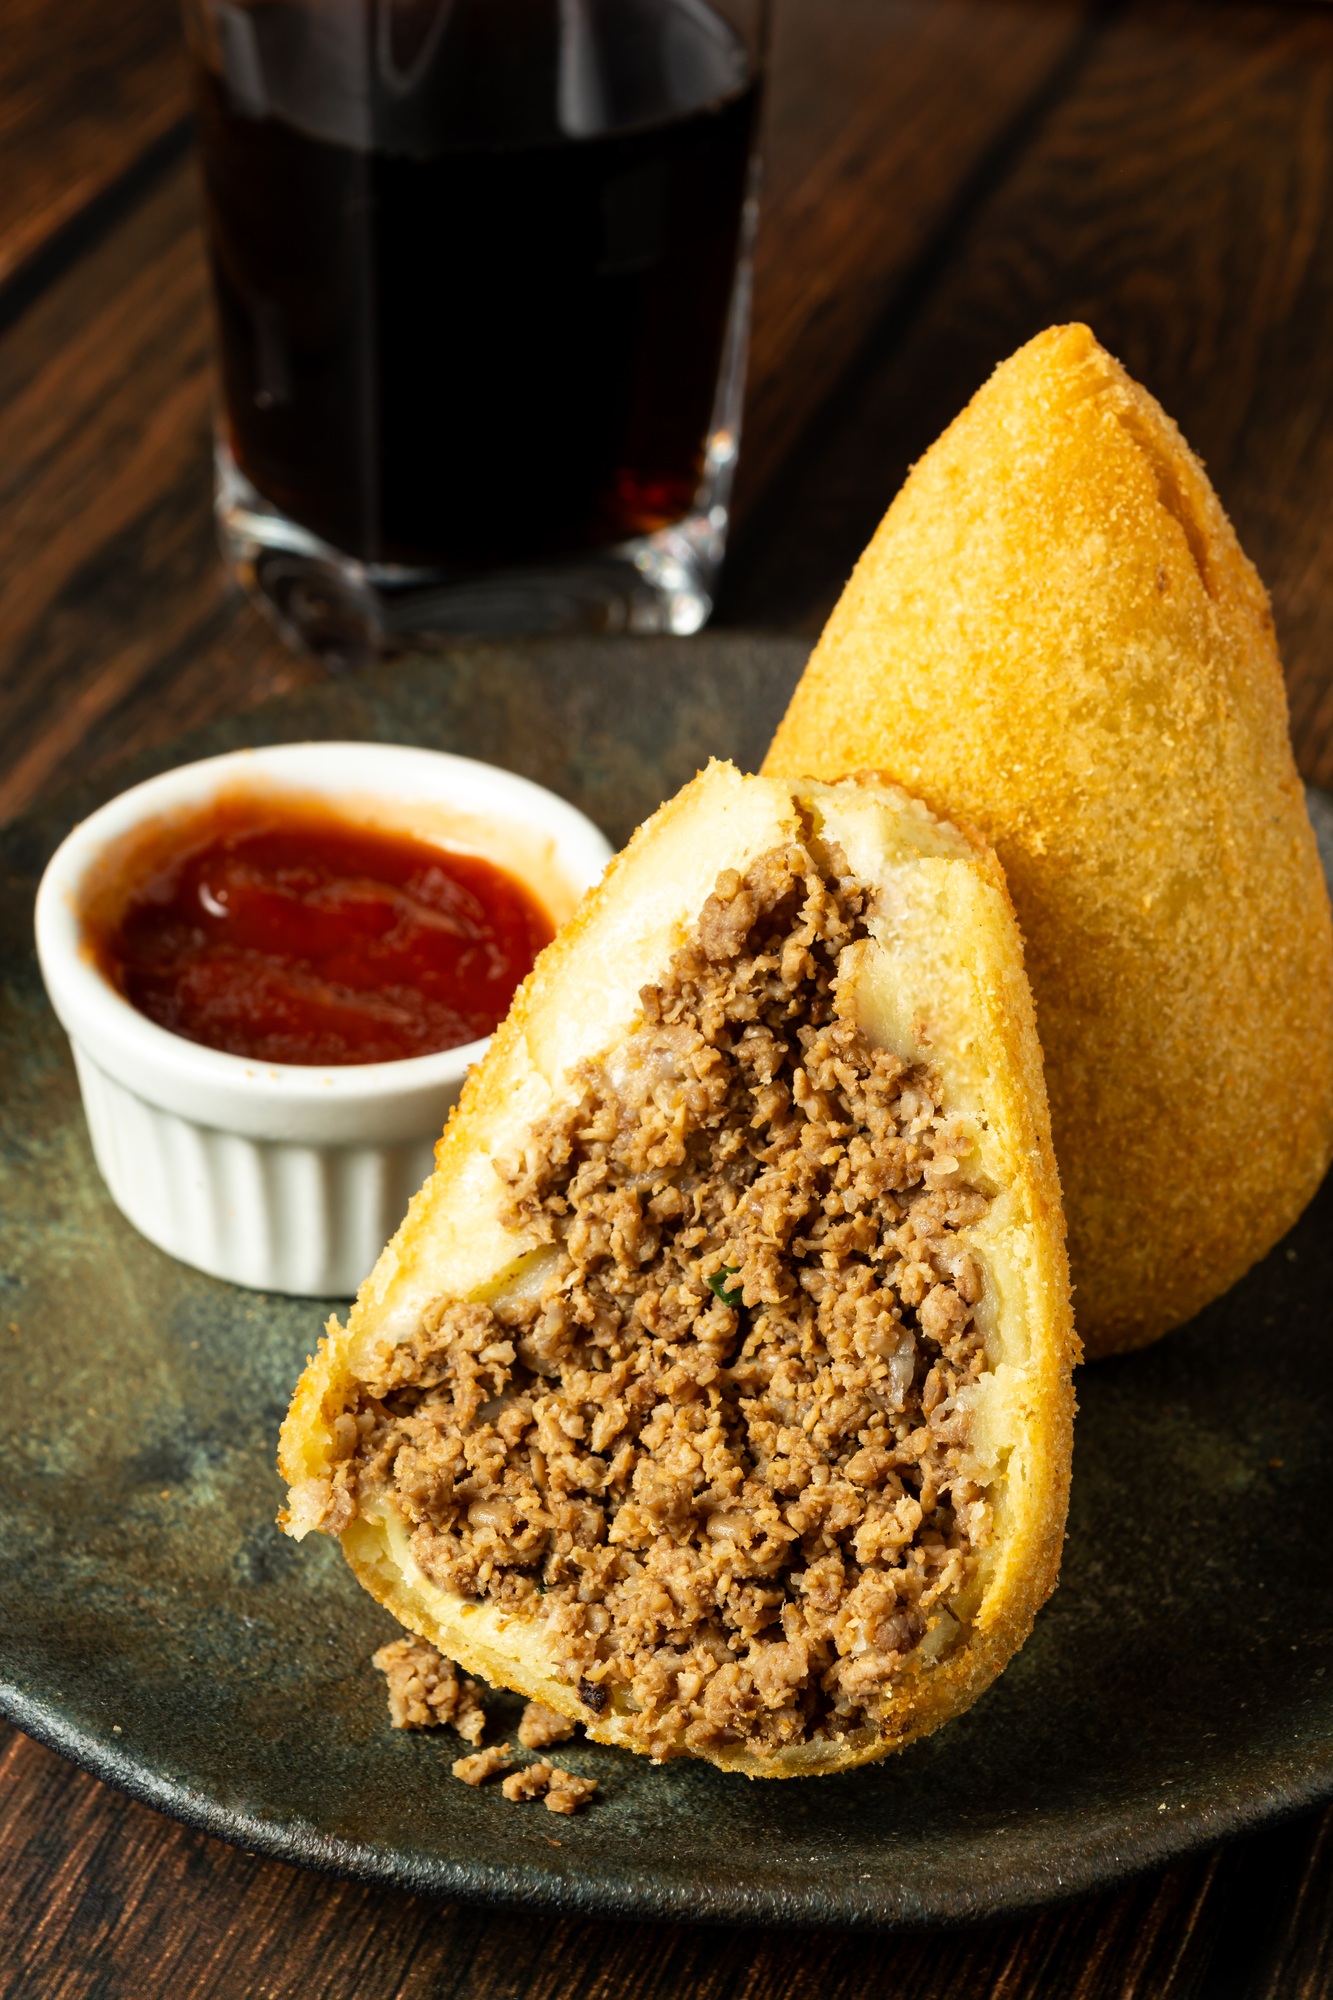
481, 270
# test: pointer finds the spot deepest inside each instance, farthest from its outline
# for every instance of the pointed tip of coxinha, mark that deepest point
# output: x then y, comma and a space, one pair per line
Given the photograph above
1056, 636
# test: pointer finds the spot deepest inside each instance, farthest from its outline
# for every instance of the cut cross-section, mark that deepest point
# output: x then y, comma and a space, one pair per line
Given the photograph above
716, 1390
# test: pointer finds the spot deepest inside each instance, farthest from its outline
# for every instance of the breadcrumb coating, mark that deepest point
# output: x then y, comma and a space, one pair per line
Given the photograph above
1054, 636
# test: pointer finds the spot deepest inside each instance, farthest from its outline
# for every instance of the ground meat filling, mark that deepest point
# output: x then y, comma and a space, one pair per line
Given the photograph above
718, 1440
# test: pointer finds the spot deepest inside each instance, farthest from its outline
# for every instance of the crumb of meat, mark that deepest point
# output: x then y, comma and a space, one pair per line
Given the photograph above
424, 1689
482, 1764
562, 1790
470, 1720
720, 1444
566, 1793
540, 1727
529, 1784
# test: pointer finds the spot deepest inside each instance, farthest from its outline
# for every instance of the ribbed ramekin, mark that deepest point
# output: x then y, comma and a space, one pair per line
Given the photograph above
282, 1177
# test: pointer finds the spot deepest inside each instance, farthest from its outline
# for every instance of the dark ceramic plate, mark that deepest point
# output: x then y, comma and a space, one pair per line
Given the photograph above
158, 1630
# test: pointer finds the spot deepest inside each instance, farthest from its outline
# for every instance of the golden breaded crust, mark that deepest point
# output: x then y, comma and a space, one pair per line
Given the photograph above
1056, 636
942, 975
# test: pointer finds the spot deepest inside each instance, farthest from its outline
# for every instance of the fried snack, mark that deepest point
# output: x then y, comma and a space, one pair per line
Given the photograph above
715, 1393
1055, 637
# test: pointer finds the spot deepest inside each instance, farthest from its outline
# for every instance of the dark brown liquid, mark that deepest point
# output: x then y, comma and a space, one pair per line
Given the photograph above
475, 316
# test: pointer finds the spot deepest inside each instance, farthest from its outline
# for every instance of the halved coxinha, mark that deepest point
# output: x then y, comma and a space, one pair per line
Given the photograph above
716, 1390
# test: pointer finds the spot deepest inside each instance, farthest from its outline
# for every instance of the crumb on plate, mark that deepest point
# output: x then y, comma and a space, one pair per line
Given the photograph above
483, 1764
425, 1690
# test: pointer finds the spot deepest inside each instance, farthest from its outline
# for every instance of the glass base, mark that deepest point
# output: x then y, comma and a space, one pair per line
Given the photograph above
346, 613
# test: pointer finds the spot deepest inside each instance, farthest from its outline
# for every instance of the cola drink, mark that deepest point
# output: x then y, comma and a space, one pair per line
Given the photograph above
473, 262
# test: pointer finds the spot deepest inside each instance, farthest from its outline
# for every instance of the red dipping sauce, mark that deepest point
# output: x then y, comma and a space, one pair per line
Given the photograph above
281, 932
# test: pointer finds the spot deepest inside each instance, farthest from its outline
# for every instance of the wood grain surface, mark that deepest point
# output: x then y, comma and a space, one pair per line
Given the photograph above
85, 93
944, 177
117, 622
100, 1898
882, 116
1177, 195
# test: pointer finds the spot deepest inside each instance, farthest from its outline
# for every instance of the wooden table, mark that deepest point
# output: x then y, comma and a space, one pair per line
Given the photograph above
945, 177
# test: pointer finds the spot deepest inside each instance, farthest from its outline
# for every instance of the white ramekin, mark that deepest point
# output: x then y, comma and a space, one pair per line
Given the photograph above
281, 1177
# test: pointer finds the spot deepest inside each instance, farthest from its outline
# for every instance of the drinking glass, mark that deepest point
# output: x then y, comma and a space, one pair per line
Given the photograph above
482, 280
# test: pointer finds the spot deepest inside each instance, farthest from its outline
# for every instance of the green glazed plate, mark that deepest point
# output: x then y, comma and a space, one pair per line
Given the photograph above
157, 1629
